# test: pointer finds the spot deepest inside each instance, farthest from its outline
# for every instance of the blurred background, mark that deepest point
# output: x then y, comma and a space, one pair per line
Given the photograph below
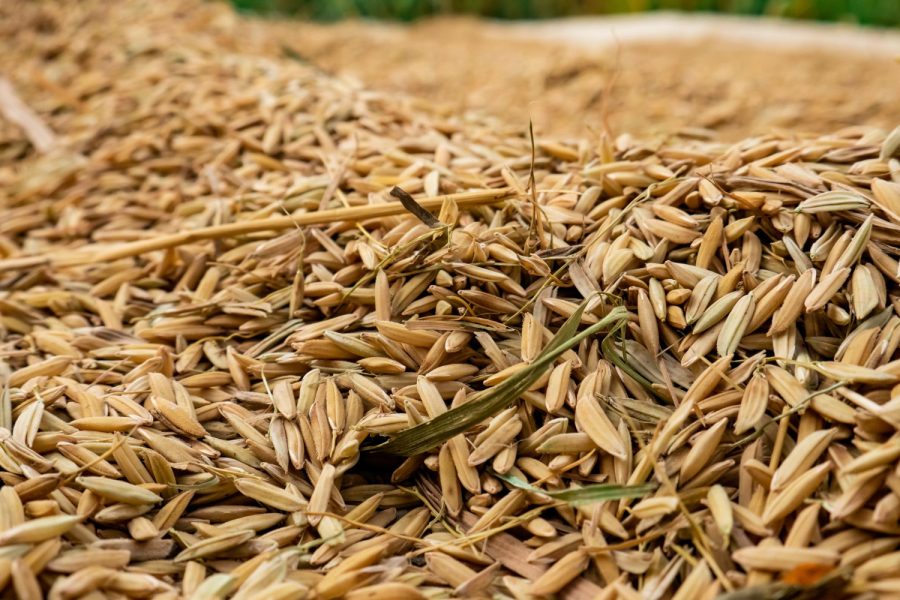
730, 68
866, 12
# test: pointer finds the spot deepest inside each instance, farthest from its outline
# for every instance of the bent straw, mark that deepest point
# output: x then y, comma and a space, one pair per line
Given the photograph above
95, 253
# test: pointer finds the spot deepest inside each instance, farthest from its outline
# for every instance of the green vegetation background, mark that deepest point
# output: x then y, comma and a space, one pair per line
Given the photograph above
868, 12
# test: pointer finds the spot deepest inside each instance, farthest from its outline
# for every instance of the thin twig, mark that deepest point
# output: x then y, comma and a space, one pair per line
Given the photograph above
16, 111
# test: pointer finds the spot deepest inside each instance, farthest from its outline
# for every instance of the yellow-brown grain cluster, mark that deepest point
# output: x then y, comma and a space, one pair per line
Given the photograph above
213, 311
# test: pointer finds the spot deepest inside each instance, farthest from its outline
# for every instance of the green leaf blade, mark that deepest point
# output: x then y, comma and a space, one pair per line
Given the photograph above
589, 494
432, 433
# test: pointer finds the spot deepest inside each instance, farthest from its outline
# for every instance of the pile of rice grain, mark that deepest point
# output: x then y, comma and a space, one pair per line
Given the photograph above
603, 370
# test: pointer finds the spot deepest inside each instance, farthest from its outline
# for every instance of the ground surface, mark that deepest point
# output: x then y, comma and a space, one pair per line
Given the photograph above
647, 75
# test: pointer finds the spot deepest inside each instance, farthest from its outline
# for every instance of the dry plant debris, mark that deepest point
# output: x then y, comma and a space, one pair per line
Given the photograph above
234, 367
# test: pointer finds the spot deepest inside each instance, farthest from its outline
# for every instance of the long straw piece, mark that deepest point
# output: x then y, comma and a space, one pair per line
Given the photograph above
15, 110
95, 253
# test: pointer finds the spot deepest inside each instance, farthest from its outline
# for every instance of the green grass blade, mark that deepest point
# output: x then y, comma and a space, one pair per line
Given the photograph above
431, 434
608, 349
589, 494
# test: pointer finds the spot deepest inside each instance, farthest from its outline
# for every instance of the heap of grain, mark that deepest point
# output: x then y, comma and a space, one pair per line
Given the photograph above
603, 369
